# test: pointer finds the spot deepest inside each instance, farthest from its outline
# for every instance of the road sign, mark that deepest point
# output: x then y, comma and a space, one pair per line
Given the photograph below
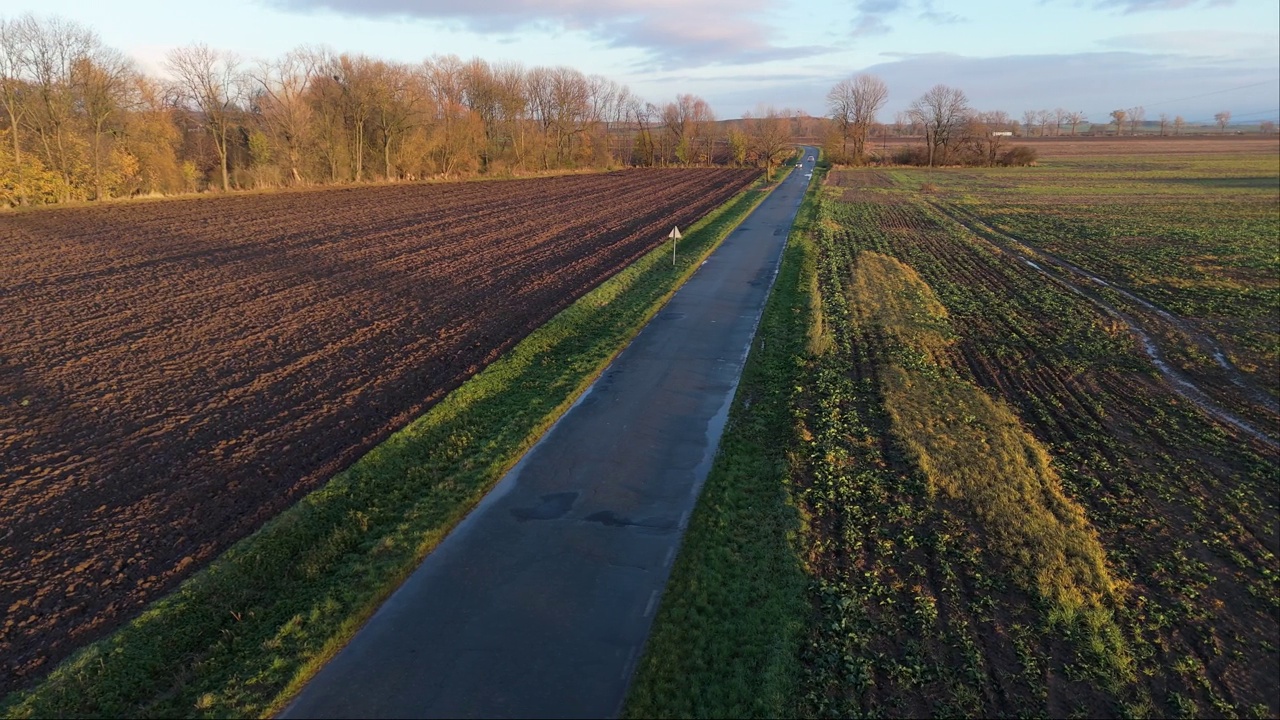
674, 235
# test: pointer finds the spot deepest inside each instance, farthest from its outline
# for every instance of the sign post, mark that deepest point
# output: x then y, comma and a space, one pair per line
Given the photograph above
674, 235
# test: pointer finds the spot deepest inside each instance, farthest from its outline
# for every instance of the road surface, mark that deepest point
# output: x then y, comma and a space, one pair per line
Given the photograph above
538, 604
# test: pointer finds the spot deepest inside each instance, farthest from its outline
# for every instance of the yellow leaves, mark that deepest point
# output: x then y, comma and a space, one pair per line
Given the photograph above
27, 182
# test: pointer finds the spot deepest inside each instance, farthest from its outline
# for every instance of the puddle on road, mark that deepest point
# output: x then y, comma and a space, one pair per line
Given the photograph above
552, 506
609, 518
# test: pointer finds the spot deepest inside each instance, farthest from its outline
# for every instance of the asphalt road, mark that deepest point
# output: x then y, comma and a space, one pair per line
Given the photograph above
538, 604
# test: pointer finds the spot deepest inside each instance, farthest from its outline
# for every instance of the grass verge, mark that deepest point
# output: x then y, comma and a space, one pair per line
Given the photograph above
726, 640
240, 637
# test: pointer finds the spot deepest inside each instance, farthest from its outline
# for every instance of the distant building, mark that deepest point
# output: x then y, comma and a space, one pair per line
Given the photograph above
1001, 133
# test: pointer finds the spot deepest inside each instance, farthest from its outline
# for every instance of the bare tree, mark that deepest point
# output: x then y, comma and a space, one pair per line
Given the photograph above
1136, 115
102, 83
619, 124
1223, 119
853, 104
981, 134
282, 92
643, 151
1178, 124
770, 133
686, 121
397, 96
1060, 116
1164, 123
1029, 119
901, 120
602, 97
1267, 127
481, 95
357, 77
1044, 117
1075, 119
208, 81
571, 112
56, 46
1118, 116
152, 137
559, 101
328, 120
15, 64
512, 104
941, 110
453, 119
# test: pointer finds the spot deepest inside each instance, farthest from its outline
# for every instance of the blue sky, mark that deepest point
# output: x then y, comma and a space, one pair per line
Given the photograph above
1181, 57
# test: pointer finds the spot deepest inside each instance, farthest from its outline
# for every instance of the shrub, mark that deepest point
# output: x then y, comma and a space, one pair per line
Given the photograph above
912, 155
1018, 155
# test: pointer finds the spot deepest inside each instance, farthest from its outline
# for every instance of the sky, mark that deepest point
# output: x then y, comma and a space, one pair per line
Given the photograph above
1192, 58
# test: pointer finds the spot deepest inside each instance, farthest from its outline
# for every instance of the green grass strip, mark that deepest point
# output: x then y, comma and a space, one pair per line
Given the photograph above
726, 640
974, 449
240, 637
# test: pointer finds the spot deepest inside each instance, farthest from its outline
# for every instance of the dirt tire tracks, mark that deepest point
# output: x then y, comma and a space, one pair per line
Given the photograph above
1038, 260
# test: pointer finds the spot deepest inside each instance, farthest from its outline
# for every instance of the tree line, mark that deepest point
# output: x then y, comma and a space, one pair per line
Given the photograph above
80, 121
953, 132
956, 133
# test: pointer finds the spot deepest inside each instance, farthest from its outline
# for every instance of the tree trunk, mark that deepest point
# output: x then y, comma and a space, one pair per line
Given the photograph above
62, 164
222, 157
17, 158
97, 159
386, 157
293, 164
359, 140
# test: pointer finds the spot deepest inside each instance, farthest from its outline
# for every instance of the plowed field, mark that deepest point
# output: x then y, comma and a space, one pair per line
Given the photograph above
173, 374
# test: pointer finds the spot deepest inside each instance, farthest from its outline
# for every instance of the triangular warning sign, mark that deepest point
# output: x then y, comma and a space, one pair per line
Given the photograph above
675, 233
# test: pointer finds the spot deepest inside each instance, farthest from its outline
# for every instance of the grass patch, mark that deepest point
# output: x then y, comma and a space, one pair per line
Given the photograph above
239, 638
973, 449
726, 640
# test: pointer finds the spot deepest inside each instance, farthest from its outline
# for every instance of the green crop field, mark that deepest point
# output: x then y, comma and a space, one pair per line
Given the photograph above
1029, 455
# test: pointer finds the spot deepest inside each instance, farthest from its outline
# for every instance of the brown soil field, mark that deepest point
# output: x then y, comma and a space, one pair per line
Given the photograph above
174, 374
1067, 146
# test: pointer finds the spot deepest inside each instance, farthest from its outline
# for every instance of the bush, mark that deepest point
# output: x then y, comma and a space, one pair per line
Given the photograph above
1018, 155
912, 155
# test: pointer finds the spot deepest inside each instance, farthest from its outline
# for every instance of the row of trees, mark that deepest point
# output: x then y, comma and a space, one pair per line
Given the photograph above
1136, 116
953, 132
81, 122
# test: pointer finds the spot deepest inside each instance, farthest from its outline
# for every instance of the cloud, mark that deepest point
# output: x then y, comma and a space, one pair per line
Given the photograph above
671, 33
1133, 6
1095, 83
867, 25
928, 12
872, 17
1220, 44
